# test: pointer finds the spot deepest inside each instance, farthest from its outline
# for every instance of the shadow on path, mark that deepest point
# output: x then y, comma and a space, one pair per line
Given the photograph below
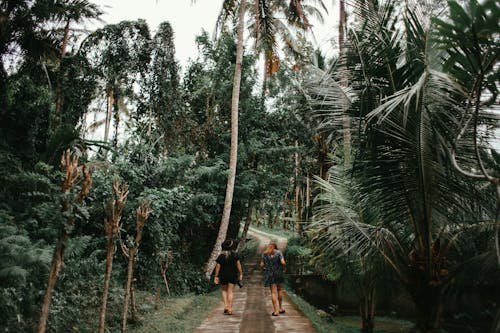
252, 304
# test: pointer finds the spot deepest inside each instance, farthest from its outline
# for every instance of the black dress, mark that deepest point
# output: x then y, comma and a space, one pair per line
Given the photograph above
228, 272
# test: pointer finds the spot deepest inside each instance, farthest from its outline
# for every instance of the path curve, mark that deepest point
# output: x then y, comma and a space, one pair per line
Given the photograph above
252, 304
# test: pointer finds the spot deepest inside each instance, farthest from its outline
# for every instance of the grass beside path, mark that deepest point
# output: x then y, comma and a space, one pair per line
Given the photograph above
176, 314
347, 324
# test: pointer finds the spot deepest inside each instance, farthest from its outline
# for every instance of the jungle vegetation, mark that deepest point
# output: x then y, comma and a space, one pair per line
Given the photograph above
122, 172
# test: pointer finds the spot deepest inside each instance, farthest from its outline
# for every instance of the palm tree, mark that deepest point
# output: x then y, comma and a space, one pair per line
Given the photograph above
226, 213
408, 106
265, 34
336, 206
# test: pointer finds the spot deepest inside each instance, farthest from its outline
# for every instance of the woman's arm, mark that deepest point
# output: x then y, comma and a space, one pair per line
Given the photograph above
240, 270
217, 269
283, 263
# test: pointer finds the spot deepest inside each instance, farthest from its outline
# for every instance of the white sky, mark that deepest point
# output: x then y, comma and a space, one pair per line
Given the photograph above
189, 19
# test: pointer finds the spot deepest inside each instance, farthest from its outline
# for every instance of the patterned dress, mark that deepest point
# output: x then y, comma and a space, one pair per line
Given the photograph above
273, 270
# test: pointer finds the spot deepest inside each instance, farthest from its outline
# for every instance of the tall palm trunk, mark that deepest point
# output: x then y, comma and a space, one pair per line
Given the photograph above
346, 122
234, 146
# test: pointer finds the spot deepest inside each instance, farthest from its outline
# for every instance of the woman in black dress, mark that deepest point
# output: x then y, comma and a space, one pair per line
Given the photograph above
274, 266
227, 273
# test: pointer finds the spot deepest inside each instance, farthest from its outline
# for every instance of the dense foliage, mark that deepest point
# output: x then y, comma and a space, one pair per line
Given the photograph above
411, 200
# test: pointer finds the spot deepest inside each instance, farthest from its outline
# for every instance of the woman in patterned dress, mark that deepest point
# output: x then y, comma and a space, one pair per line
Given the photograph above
274, 266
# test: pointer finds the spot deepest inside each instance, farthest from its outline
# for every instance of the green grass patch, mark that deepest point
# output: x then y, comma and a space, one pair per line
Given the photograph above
325, 323
176, 314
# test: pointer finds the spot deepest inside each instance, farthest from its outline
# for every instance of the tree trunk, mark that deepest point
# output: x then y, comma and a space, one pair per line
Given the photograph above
150, 122
132, 302
109, 108
429, 308
65, 38
164, 276
346, 121
367, 309
130, 273
59, 99
57, 262
234, 147
427, 294
116, 114
248, 221
110, 250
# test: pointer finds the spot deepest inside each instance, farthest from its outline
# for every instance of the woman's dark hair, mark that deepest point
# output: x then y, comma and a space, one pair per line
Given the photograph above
227, 245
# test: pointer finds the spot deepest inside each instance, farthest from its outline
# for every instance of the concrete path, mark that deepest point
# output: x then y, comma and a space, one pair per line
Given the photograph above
252, 304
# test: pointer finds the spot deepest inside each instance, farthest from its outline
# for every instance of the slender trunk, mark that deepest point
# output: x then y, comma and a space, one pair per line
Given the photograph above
132, 302
234, 146
428, 314
150, 122
298, 209
248, 221
130, 273
109, 108
297, 187
83, 130
368, 309
59, 99
164, 276
55, 269
346, 122
110, 250
427, 294
116, 114
65, 38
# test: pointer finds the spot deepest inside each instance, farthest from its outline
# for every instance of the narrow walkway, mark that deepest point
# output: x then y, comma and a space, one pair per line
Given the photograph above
252, 304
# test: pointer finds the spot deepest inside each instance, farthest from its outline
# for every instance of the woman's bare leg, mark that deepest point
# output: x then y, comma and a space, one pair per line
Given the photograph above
230, 296
280, 297
274, 296
224, 297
